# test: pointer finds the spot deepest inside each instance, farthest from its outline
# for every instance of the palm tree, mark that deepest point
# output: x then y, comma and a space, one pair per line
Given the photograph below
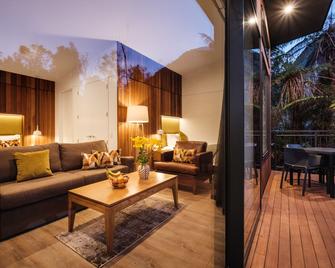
304, 79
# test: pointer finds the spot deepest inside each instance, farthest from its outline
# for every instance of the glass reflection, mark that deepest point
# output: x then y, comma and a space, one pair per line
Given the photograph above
252, 113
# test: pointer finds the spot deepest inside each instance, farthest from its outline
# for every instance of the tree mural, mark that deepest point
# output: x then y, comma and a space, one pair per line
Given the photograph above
37, 60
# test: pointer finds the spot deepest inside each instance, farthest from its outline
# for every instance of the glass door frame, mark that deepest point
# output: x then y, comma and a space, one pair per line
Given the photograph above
233, 116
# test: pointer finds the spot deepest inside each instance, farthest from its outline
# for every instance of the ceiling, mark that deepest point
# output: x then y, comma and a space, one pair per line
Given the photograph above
308, 17
168, 37
207, 55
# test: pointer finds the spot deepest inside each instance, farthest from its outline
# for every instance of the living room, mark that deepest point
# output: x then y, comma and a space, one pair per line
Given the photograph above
124, 121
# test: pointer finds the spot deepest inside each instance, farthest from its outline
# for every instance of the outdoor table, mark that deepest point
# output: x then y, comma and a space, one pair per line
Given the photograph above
330, 154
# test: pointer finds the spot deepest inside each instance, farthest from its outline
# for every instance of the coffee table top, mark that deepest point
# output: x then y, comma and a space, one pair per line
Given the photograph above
103, 192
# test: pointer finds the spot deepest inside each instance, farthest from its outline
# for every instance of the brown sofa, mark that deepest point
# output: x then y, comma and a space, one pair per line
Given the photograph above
189, 174
26, 205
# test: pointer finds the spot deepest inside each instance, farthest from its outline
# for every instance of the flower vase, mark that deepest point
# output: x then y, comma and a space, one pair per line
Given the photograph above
143, 171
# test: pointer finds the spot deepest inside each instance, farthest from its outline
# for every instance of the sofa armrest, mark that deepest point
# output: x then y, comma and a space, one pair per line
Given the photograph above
167, 156
204, 161
128, 161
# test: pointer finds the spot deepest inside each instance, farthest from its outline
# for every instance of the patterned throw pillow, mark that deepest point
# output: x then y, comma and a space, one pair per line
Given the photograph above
9, 143
116, 157
105, 159
184, 155
90, 161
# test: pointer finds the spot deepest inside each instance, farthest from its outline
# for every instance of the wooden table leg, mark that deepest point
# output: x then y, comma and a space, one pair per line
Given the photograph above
109, 228
175, 194
71, 214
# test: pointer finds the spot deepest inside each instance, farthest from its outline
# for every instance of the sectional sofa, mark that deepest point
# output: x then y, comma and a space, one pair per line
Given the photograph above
28, 204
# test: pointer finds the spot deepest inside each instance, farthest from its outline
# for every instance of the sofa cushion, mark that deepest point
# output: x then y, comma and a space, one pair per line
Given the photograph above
95, 175
13, 194
8, 166
71, 153
174, 167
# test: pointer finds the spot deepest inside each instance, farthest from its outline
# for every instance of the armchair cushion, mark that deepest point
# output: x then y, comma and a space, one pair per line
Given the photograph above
174, 167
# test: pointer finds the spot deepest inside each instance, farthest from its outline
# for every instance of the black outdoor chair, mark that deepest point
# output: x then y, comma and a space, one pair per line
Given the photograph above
322, 171
294, 146
300, 161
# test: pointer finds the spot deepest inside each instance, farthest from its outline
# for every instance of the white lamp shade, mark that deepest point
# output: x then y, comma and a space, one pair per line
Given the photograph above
137, 114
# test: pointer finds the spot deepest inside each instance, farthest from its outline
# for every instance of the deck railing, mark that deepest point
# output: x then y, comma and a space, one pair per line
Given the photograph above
307, 138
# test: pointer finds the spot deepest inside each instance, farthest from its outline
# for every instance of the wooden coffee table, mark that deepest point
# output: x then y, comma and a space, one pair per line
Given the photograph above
102, 197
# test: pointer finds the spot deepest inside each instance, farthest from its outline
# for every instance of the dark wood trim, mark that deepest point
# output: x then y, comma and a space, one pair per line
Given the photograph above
18, 96
234, 134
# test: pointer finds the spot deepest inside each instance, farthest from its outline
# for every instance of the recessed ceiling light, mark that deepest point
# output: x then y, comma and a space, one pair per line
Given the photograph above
252, 20
288, 9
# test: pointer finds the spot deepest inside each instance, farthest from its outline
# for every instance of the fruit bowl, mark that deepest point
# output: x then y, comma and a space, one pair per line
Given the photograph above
117, 179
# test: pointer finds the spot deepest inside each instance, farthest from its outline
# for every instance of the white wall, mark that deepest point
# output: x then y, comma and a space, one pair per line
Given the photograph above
202, 96
86, 108
202, 87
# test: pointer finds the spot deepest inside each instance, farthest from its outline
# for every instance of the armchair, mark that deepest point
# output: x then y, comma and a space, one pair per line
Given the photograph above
189, 174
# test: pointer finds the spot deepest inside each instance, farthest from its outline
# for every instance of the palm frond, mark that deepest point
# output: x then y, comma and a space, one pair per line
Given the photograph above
300, 101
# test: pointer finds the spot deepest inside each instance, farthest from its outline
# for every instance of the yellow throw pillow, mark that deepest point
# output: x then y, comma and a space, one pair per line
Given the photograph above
184, 155
32, 165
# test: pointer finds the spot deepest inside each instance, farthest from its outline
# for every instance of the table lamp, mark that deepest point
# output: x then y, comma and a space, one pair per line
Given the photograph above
138, 114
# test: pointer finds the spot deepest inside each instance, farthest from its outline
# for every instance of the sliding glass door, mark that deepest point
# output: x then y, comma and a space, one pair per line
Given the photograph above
247, 123
252, 122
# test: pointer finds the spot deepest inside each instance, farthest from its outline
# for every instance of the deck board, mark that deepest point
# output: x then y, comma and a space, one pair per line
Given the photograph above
296, 246
295, 230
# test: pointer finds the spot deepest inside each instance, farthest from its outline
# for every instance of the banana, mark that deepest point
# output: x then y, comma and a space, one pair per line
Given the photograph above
113, 174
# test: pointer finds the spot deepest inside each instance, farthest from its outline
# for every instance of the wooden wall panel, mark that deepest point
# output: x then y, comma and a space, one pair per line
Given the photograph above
18, 96
141, 81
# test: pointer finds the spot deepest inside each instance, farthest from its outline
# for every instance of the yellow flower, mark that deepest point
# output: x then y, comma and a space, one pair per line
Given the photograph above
139, 142
146, 143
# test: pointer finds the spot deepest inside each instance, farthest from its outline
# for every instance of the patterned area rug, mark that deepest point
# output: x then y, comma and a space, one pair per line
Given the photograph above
132, 225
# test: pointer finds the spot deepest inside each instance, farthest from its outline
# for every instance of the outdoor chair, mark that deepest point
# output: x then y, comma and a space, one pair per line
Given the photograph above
294, 146
250, 161
300, 161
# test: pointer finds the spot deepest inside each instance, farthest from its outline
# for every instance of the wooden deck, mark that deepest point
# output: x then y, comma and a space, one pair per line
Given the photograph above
294, 231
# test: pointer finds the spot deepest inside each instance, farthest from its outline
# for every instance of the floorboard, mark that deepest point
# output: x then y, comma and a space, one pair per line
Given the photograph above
193, 238
295, 230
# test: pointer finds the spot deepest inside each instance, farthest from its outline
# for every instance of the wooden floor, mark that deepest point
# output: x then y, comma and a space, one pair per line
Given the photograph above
193, 238
294, 231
